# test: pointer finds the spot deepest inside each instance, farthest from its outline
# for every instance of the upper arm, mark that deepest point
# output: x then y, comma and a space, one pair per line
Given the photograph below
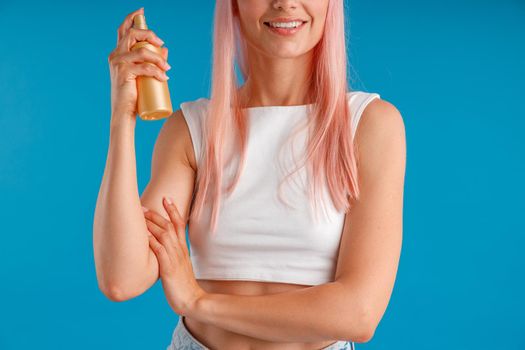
172, 167
172, 174
371, 240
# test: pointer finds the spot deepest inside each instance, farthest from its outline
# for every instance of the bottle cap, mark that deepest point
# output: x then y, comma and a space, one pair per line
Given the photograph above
139, 22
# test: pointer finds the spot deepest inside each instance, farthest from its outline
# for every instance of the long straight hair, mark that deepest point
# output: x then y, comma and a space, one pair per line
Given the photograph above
329, 155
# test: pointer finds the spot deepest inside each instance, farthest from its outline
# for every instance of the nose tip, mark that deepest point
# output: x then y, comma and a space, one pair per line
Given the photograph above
280, 4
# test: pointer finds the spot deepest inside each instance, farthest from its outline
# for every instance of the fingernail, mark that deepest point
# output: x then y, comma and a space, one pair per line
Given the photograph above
160, 41
168, 199
144, 209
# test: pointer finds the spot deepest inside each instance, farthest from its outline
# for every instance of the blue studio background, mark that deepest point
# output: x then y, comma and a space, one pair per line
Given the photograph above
455, 70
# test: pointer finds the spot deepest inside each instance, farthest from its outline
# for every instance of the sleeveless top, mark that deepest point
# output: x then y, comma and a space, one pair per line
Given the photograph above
258, 237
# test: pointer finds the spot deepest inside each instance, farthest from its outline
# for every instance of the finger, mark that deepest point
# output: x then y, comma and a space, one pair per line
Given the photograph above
175, 217
145, 55
153, 228
165, 53
183, 243
150, 70
134, 35
160, 251
166, 238
157, 219
128, 23
181, 230
163, 231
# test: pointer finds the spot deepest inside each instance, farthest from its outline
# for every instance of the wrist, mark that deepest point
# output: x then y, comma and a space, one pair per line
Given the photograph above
196, 309
118, 122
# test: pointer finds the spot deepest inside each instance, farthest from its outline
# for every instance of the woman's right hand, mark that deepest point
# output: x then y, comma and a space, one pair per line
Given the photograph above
125, 65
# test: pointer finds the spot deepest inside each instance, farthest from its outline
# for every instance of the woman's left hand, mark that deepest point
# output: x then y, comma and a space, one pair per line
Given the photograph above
167, 239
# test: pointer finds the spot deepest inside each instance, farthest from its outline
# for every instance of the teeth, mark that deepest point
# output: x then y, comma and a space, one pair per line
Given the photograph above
285, 24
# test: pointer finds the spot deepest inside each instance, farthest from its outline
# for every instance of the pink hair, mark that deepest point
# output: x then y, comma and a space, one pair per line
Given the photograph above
330, 150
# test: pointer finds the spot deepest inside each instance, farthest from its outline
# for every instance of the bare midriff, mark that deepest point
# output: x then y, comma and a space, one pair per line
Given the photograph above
219, 338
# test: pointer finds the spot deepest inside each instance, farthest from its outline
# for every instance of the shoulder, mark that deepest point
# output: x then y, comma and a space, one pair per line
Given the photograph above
380, 139
357, 102
174, 140
374, 114
380, 118
195, 110
359, 99
189, 120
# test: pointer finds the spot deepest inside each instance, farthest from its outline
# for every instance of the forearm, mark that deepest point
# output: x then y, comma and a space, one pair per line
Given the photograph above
120, 241
323, 312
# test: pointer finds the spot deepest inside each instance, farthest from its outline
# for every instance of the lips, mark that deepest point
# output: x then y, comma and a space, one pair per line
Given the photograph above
284, 21
285, 31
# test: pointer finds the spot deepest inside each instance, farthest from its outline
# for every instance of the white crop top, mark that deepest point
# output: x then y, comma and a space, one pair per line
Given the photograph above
258, 238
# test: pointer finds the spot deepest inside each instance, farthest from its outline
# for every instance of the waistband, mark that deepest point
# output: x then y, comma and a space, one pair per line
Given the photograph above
182, 339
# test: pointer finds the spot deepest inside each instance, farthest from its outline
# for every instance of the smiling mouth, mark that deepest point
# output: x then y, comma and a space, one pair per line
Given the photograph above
285, 31
268, 24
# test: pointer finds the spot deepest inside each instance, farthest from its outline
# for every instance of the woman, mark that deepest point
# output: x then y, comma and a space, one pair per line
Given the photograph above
264, 272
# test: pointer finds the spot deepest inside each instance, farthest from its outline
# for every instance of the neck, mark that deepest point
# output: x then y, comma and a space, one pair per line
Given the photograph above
277, 81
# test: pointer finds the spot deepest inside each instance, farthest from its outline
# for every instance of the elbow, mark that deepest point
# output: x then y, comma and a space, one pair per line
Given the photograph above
366, 333
116, 293
118, 286
363, 334
109, 288
113, 292
361, 331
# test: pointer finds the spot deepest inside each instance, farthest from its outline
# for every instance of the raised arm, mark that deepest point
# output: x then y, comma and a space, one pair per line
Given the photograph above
125, 264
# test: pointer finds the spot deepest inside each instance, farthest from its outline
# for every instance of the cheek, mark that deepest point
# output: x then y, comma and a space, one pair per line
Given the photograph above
318, 10
250, 11
316, 30
250, 24
251, 32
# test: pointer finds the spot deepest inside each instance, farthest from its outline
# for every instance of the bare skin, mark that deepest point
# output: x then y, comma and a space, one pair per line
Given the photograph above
279, 64
366, 267
127, 267
210, 335
284, 83
219, 338
184, 171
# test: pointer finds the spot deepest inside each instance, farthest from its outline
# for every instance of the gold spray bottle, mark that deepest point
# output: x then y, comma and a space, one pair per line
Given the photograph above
153, 100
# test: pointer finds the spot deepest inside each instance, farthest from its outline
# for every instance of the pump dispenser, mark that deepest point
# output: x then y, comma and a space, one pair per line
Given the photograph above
153, 100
